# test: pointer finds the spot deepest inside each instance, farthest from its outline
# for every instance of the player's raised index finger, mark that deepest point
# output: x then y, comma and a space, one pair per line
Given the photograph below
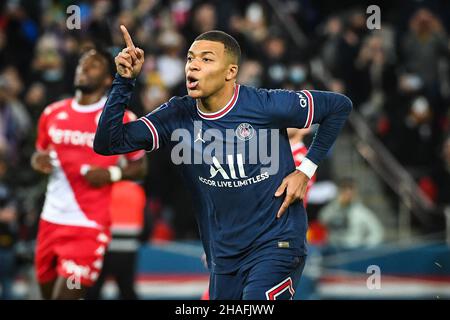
127, 37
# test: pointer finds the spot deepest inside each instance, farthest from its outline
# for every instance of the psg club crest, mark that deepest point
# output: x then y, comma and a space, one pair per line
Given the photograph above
245, 131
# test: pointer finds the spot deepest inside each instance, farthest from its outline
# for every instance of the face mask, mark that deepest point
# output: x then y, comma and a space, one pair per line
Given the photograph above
254, 13
297, 75
277, 73
53, 75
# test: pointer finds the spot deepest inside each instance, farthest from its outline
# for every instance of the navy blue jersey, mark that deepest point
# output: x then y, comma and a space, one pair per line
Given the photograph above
233, 161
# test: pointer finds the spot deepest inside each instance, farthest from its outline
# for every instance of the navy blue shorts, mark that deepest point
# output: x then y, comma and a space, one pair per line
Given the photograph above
275, 278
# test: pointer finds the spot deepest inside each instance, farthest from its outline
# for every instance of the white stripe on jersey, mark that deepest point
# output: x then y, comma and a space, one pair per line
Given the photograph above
61, 206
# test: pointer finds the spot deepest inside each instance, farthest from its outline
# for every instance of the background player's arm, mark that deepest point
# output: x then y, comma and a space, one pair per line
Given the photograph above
41, 160
98, 177
135, 170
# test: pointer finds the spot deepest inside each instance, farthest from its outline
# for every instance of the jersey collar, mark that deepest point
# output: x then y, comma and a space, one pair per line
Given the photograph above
85, 108
219, 114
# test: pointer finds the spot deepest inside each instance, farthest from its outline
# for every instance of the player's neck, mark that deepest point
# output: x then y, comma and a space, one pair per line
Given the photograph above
88, 98
218, 100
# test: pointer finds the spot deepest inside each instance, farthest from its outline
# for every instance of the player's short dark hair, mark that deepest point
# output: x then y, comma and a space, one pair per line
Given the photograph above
230, 43
109, 59
111, 65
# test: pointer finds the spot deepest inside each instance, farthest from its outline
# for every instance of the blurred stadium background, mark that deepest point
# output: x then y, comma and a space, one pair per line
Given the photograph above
395, 147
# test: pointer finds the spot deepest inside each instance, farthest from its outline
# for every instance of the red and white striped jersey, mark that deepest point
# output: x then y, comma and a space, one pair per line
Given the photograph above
67, 130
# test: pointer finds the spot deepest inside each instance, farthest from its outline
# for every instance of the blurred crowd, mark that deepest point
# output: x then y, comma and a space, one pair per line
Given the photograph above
398, 78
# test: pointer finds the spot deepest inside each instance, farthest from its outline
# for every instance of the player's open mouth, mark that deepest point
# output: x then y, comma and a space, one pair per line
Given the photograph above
191, 82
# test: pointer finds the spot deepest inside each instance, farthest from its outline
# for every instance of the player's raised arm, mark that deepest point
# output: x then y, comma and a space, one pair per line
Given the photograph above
112, 136
130, 60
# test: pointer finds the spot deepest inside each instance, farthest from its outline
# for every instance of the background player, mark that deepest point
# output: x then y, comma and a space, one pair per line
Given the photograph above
253, 238
74, 227
299, 152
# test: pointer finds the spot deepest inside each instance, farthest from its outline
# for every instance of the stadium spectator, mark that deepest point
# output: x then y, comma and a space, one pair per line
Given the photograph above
423, 47
349, 223
9, 232
169, 63
14, 119
204, 18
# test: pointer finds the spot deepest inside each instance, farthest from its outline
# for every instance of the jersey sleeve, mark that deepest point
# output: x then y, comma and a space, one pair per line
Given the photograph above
301, 109
135, 155
160, 123
290, 108
114, 137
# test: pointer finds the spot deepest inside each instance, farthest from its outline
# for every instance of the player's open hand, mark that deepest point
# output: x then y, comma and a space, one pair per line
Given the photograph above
130, 60
295, 186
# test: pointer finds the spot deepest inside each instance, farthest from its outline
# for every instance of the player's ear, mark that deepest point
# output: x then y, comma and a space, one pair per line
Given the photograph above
232, 72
